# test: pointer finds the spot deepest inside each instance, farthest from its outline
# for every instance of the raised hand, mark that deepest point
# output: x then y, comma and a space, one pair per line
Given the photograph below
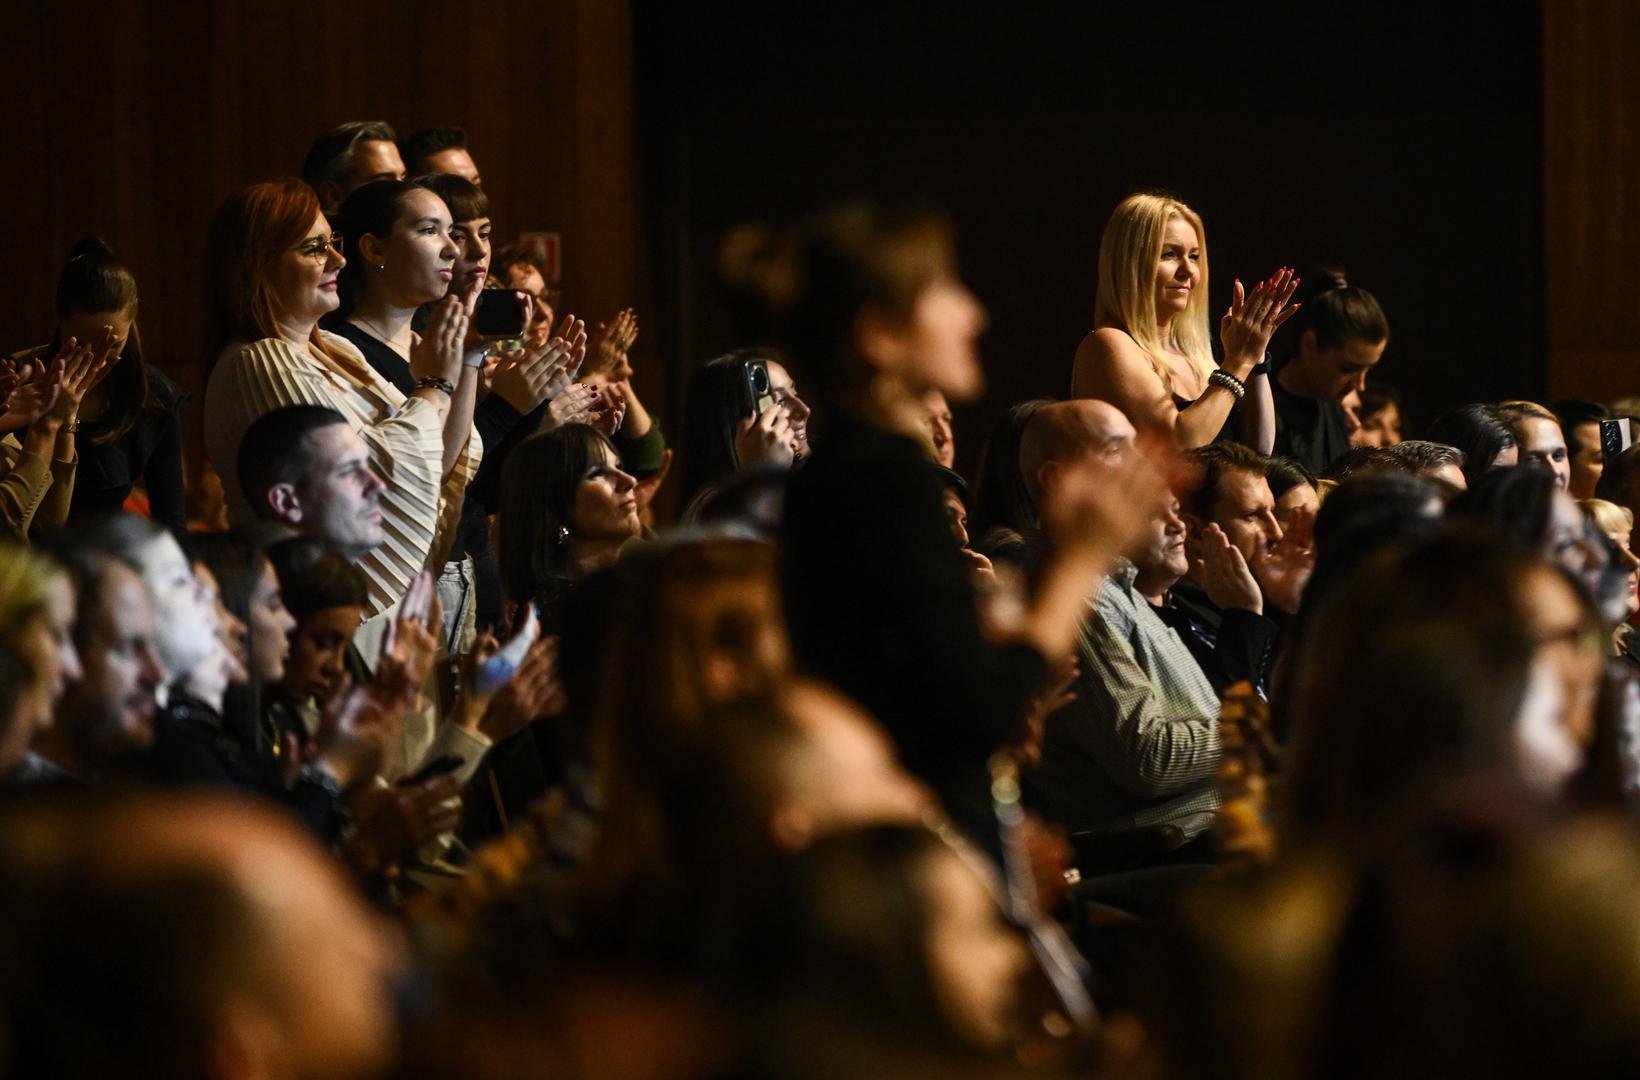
391, 822
535, 691
607, 415
35, 392
1225, 575
83, 369
438, 353
575, 405
526, 377
765, 440
1252, 318
1285, 568
611, 346
354, 734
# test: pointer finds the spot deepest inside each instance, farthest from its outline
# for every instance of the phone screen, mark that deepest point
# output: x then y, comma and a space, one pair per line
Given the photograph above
498, 314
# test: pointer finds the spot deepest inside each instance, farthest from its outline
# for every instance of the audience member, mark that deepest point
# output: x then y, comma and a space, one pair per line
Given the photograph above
878, 596
349, 156
1002, 510
1434, 460
1139, 744
1381, 416
1580, 423
939, 429
36, 618
1151, 352
274, 266
439, 150
567, 509
1294, 489
1232, 527
723, 431
1336, 337
1481, 434
1538, 435
108, 713
127, 408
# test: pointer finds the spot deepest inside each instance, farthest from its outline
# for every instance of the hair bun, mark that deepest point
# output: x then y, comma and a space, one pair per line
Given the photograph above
91, 246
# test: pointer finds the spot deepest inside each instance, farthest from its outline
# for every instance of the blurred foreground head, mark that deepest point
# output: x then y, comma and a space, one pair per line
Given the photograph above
184, 937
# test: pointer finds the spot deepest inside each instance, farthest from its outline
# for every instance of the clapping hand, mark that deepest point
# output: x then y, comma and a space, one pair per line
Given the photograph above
1252, 318
1284, 569
612, 346
82, 368
1225, 575
34, 391
438, 353
527, 377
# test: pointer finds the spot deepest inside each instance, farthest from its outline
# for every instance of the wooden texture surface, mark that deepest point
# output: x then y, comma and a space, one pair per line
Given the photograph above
1591, 105
132, 121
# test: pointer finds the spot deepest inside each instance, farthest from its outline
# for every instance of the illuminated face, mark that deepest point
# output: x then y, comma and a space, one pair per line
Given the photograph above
1542, 445
1178, 270
456, 161
472, 240
339, 500
184, 610
1246, 511
414, 264
605, 506
304, 278
318, 652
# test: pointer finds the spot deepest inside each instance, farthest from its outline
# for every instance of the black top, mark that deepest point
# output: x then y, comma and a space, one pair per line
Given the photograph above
1231, 646
880, 603
151, 451
1311, 432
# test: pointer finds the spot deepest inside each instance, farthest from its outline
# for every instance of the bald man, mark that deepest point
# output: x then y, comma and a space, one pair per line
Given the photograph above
1139, 747
186, 936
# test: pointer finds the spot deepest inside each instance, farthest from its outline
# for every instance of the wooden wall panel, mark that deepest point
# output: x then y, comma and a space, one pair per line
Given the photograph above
1591, 53
134, 120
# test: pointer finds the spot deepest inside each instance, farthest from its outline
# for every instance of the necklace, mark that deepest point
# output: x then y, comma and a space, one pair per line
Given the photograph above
376, 331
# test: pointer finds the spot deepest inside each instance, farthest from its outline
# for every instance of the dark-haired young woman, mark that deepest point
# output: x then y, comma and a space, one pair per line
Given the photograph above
128, 421
723, 438
1338, 335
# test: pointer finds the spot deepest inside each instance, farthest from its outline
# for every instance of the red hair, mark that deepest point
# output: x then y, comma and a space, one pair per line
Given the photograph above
250, 232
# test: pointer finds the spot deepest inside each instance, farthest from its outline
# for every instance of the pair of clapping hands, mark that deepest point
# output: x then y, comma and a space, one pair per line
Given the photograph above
53, 389
1277, 574
580, 382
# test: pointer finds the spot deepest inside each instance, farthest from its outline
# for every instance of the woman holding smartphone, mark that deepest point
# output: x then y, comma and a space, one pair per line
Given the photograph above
725, 433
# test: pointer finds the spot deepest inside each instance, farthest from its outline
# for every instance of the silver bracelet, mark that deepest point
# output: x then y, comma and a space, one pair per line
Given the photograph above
1226, 381
436, 382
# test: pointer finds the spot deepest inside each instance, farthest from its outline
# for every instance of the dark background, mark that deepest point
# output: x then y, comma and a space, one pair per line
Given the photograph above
1472, 164
1404, 140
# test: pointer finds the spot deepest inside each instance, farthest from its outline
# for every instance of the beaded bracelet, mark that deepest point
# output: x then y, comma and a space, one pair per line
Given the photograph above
1226, 381
438, 383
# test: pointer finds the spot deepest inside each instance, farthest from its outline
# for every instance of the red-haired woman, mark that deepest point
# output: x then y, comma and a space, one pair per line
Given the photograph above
273, 266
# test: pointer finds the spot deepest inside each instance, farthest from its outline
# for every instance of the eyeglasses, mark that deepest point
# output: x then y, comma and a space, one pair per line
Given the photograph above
316, 247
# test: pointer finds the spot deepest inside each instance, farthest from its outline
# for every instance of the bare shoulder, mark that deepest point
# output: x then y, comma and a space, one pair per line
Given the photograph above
1107, 358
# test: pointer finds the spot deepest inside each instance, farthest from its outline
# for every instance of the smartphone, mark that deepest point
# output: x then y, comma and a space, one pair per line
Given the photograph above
498, 314
440, 766
1616, 436
756, 395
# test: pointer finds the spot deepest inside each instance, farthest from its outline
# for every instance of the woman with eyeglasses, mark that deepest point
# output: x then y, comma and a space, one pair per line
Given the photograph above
273, 266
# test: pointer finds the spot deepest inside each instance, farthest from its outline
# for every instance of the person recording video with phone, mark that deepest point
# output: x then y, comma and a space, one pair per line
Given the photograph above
743, 414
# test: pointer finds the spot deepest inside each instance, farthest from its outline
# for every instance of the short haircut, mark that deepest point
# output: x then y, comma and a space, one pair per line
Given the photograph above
1215, 460
1421, 455
331, 155
1479, 431
313, 578
275, 449
419, 147
1285, 474
1360, 459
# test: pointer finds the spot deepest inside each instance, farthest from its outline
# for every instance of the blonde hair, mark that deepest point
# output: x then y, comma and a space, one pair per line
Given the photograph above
1128, 253
25, 587
1608, 517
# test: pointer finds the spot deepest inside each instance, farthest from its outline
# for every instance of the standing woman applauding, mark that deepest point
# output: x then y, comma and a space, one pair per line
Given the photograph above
1151, 354
273, 266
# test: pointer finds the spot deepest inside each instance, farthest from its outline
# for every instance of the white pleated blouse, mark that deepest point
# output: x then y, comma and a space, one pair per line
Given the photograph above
420, 512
